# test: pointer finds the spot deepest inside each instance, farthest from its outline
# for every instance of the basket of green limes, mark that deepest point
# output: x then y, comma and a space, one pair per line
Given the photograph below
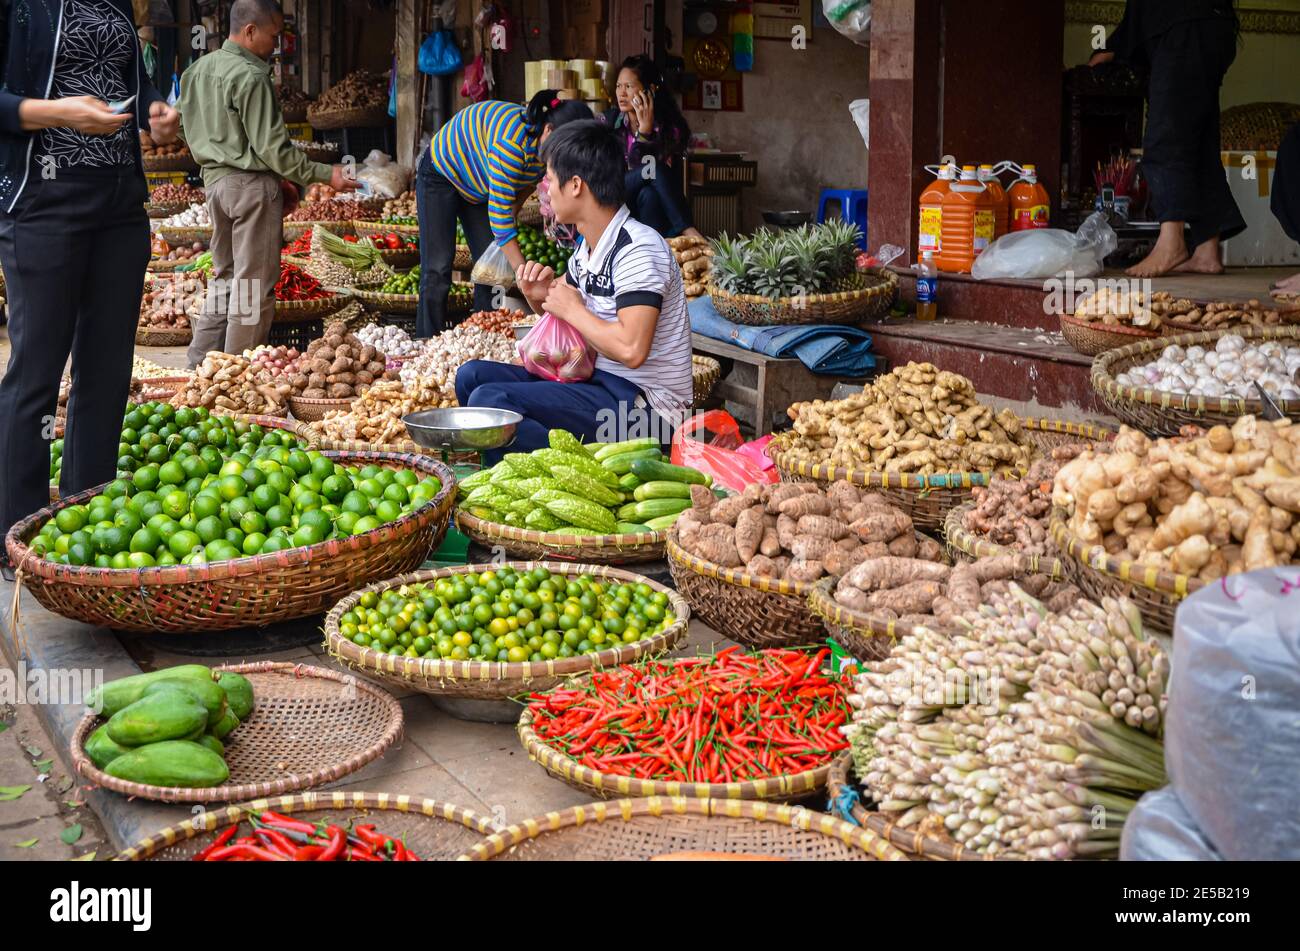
535, 246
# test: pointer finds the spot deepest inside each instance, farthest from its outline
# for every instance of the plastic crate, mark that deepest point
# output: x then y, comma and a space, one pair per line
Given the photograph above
298, 334
723, 171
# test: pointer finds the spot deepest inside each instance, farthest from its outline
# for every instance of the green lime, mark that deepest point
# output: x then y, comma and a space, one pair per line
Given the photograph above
275, 543
306, 501
254, 543
388, 511
221, 550
316, 519
370, 488
209, 529
71, 519
140, 559
183, 542
346, 522
307, 535
278, 516
234, 536
175, 503
171, 473
253, 523
321, 467
232, 487
145, 540
146, 478
279, 482
405, 477
265, 496
357, 503
396, 493
205, 506
128, 520
300, 462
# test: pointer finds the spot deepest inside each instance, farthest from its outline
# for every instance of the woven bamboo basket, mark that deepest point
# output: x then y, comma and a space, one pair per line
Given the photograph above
1049, 434
1092, 339
1160, 413
400, 259
749, 609
369, 117
867, 637
530, 213
927, 840
705, 373
1157, 593
163, 211
170, 163
464, 259
320, 153
403, 446
293, 230
260, 590
149, 337
373, 299
163, 267
968, 546
482, 680
927, 499
175, 236
433, 830
292, 311
525, 543
847, 307
310, 726
641, 829
376, 227
161, 387
312, 410
294, 115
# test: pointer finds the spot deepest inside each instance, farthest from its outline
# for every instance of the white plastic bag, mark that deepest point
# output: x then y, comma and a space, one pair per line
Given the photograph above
1048, 252
385, 178
1159, 829
851, 18
493, 268
861, 111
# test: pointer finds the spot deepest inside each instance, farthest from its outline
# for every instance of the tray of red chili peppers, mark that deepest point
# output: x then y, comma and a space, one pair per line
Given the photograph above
735, 725
279, 838
299, 296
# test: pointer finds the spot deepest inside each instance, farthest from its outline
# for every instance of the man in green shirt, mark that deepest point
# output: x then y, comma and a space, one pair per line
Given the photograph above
232, 122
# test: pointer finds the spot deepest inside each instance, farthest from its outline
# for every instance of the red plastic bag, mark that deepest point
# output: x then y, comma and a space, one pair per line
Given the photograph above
555, 351
711, 442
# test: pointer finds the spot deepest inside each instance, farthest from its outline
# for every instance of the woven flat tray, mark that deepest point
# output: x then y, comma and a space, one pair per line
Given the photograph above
309, 726
479, 680
292, 311
524, 543
175, 236
1092, 339
705, 373
311, 410
292, 230
1161, 413
348, 118
1048, 434
847, 307
375, 227
148, 337
867, 637
372, 298
170, 163
641, 829
433, 830
751, 610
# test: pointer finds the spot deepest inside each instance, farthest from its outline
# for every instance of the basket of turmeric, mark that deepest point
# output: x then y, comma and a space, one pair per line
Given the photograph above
748, 563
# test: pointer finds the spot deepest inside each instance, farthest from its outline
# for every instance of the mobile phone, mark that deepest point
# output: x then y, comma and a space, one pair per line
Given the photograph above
121, 105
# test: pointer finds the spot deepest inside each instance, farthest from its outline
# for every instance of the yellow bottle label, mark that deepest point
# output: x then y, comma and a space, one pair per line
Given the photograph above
986, 223
931, 228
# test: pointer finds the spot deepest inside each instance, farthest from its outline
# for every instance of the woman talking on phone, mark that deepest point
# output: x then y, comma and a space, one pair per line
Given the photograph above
654, 136
74, 237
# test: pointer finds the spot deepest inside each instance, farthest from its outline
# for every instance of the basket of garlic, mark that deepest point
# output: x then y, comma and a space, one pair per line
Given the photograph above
1157, 519
1200, 379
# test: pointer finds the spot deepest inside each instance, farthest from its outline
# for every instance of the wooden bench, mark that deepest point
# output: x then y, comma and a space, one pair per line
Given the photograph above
756, 389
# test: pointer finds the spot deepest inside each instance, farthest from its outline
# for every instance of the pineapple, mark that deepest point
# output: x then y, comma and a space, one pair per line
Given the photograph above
731, 265
813, 259
776, 273
842, 246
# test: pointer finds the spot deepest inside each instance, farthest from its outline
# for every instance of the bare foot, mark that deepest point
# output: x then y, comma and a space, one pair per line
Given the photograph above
1289, 286
1158, 263
1205, 260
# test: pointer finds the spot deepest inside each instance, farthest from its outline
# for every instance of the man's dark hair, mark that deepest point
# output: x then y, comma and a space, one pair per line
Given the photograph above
588, 150
261, 12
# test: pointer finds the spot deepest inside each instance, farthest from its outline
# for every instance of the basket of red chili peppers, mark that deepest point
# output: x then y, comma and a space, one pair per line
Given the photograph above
736, 725
299, 296
334, 826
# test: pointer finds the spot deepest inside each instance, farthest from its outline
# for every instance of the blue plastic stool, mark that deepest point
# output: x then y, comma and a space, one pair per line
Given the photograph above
852, 206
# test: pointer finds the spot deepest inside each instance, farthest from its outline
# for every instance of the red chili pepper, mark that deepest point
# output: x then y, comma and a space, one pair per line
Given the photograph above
218, 842
338, 839
307, 853
285, 822
256, 853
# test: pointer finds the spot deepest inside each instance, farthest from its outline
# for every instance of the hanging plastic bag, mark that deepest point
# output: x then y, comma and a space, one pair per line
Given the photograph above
711, 442
392, 91
555, 351
439, 54
852, 18
1048, 252
493, 268
1159, 829
475, 87
860, 109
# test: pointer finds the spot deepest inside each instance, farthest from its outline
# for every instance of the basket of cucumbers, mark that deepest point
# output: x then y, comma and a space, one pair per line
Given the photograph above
599, 503
194, 734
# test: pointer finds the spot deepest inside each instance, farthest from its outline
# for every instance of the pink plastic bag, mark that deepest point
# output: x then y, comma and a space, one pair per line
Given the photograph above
711, 443
555, 351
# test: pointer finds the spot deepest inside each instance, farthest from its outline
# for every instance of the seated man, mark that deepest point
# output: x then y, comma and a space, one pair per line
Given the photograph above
622, 292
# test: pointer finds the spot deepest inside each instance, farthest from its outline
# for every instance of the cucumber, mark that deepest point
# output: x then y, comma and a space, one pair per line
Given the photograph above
621, 464
662, 490
632, 528
629, 482
663, 522
657, 508
632, 445
656, 470
627, 513
594, 447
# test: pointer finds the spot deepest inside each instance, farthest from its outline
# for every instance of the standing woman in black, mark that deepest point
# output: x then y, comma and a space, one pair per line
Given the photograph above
74, 237
1185, 47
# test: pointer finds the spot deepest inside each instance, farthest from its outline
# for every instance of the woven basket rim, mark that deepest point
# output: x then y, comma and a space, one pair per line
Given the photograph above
301, 226
797, 817
308, 801
873, 478
352, 117
1103, 379
376, 227
631, 541
1123, 330
822, 603
976, 546
150, 337
317, 401
1089, 431
82, 765
169, 163
889, 282
761, 583
195, 231
525, 671
1097, 558
26, 562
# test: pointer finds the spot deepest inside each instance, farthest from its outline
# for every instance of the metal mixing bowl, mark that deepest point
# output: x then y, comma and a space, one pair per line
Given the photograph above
463, 428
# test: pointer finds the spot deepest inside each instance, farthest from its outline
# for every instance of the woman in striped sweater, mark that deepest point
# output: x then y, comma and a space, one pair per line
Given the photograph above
480, 167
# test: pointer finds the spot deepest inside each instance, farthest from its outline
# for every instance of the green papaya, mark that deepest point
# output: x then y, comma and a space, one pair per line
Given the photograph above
101, 749
212, 743
239, 693
206, 692
165, 715
117, 694
226, 724
171, 763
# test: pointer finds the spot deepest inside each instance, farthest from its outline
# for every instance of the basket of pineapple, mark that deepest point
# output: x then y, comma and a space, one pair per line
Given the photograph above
806, 275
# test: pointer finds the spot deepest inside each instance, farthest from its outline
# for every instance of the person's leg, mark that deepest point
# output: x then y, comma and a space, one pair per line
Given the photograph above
479, 237
256, 239
45, 257
648, 208
209, 328
105, 340
436, 202
668, 188
1286, 197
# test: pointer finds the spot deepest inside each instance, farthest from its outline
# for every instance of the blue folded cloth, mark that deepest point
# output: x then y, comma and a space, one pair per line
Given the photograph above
831, 349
